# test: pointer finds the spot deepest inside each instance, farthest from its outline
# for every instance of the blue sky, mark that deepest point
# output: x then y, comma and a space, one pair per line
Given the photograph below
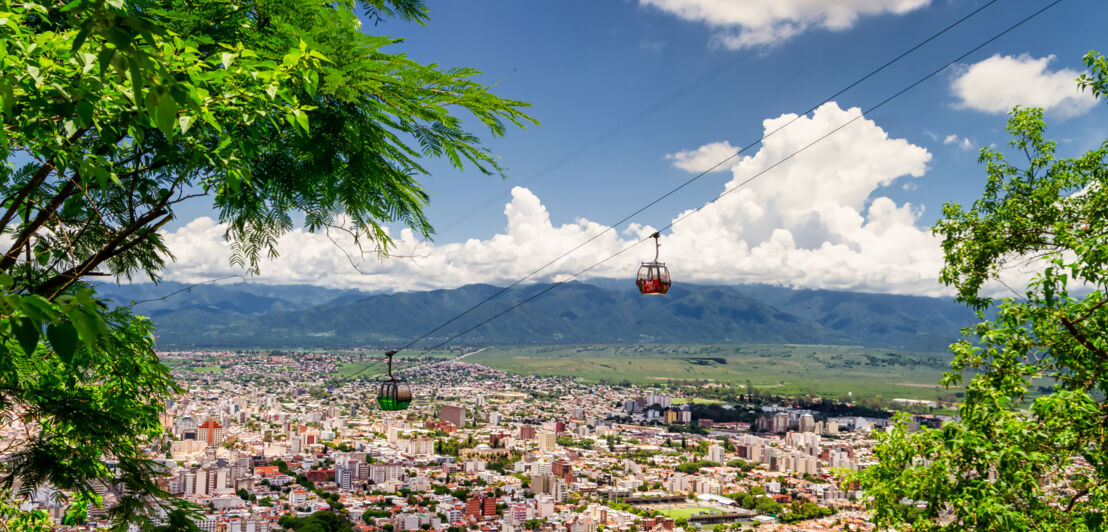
588, 66
711, 71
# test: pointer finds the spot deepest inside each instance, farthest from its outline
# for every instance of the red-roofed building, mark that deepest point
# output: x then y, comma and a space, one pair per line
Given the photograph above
267, 471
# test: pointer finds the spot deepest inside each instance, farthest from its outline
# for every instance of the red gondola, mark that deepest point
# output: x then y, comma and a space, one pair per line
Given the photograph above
653, 276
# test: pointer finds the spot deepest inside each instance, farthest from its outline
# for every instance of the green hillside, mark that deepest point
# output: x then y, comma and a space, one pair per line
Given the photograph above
576, 313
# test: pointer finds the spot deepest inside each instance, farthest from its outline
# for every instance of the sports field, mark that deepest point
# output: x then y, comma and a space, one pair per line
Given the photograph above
679, 513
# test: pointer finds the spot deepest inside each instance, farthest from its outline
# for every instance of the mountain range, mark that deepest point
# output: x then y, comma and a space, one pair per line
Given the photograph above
298, 316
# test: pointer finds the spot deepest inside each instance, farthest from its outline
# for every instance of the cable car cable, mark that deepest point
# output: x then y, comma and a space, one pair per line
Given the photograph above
751, 178
599, 139
696, 177
725, 193
685, 90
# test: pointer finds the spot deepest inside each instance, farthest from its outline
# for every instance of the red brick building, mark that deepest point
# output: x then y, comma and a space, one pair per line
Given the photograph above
480, 506
320, 475
527, 432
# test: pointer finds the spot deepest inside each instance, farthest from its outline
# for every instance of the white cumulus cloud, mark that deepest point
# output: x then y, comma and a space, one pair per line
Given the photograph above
705, 158
1001, 82
961, 142
744, 23
815, 221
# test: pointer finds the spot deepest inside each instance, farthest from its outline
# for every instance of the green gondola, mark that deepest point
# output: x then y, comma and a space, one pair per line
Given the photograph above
394, 394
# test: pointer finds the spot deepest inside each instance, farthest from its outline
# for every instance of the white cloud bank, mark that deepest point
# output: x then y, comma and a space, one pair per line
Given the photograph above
1001, 82
745, 23
814, 221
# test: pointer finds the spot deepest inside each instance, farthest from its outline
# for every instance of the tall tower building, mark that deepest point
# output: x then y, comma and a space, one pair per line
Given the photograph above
211, 432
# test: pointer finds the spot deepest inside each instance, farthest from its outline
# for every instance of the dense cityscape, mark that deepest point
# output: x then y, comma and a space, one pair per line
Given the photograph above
262, 439
863, 299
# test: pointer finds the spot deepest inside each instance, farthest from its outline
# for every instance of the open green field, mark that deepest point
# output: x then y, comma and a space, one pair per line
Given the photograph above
207, 369
352, 369
679, 513
356, 367
785, 369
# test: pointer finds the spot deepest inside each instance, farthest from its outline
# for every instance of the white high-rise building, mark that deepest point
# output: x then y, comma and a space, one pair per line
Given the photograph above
559, 490
201, 485
678, 483
780, 422
380, 473
189, 481
540, 468
344, 477
421, 447
715, 453
807, 423
548, 441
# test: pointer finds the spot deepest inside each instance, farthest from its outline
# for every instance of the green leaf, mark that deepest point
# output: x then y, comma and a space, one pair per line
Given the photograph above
7, 97
87, 327
301, 119
79, 40
33, 313
39, 304
35, 73
105, 59
26, 332
63, 338
84, 112
185, 121
136, 82
166, 114
88, 62
102, 177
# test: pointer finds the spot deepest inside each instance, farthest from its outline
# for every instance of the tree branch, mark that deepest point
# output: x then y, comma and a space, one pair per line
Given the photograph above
1089, 314
63, 280
1078, 495
36, 180
44, 214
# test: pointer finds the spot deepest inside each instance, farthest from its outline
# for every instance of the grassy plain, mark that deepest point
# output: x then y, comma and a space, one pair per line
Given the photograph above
787, 369
695, 401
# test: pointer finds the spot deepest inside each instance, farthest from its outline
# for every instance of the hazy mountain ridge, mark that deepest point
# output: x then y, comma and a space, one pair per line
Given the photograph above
251, 315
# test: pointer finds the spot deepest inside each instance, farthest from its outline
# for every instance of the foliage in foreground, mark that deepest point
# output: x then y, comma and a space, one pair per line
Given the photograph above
1005, 466
114, 112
